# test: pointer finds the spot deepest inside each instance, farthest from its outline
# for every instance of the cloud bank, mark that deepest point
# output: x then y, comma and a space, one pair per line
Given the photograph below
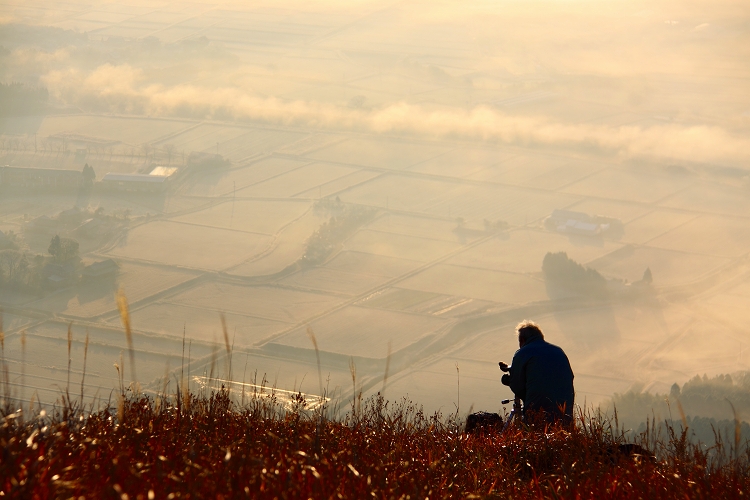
123, 88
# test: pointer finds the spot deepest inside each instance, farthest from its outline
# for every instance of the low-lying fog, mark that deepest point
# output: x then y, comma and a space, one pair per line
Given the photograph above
380, 181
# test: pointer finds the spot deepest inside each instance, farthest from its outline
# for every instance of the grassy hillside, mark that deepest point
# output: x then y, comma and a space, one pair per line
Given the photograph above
206, 446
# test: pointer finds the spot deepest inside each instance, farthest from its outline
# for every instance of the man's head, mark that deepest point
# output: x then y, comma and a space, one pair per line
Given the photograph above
528, 331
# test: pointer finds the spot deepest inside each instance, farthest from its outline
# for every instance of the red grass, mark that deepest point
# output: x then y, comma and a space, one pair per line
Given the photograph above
209, 449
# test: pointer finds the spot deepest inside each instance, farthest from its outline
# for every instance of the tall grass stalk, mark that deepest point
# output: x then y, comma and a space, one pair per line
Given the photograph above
70, 359
387, 369
85, 358
122, 306
314, 341
227, 346
23, 362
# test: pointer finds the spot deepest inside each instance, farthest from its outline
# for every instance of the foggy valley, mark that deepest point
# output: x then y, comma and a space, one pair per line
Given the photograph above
391, 185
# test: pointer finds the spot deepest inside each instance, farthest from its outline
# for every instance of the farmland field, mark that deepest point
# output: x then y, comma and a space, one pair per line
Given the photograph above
201, 324
623, 210
227, 182
520, 168
392, 155
364, 332
370, 263
333, 187
399, 245
297, 181
202, 247
272, 303
256, 216
137, 281
724, 237
288, 247
235, 143
654, 224
669, 268
461, 162
513, 205
132, 131
713, 199
492, 286
422, 227
398, 193
331, 280
522, 251
629, 185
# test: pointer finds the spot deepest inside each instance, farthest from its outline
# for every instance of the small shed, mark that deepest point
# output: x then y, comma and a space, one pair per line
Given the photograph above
105, 269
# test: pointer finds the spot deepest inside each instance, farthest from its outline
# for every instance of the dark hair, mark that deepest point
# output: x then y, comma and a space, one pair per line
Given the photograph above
528, 330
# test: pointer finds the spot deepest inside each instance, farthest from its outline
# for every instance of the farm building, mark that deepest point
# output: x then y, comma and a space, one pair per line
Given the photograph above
39, 178
100, 270
92, 228
568, 221
59, 275
135, 182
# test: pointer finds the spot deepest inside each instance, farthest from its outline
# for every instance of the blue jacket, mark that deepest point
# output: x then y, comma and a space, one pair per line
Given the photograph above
541, 376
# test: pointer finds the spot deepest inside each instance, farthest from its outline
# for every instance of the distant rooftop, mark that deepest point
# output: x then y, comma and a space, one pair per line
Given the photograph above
163, 171
134, 178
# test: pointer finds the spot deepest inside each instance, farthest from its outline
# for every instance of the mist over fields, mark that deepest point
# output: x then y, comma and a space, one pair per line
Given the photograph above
386, 178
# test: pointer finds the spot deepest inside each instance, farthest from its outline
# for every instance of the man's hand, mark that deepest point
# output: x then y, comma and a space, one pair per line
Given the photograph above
504, 366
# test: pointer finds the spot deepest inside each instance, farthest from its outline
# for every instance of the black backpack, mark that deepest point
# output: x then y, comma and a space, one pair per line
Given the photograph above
483, 421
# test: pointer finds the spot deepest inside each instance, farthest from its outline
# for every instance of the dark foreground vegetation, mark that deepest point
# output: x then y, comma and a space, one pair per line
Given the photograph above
208, 447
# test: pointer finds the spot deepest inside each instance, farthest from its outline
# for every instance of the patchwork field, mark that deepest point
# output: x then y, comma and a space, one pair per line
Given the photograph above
423, 227
654, 224
493, 286
364, 332
297, 181
399, 246
137, 281
235, 143
201, 324
127, 130
331, 280
523, 251
228, 182
669, 268
202, 247
461, 162
266, 302
624, 210
288, 247
643, 187
371, 264
392, 155
255, 216
333, 187
712, 198
710, 235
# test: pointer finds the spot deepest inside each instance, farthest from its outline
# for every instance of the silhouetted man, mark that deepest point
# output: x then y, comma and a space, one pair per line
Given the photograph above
540, 375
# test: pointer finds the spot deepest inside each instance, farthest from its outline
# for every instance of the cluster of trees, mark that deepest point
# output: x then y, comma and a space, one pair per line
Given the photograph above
21, 271
705, 402
20, 99
561, 270
63, 249
88, 175
340, 226
207, 160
